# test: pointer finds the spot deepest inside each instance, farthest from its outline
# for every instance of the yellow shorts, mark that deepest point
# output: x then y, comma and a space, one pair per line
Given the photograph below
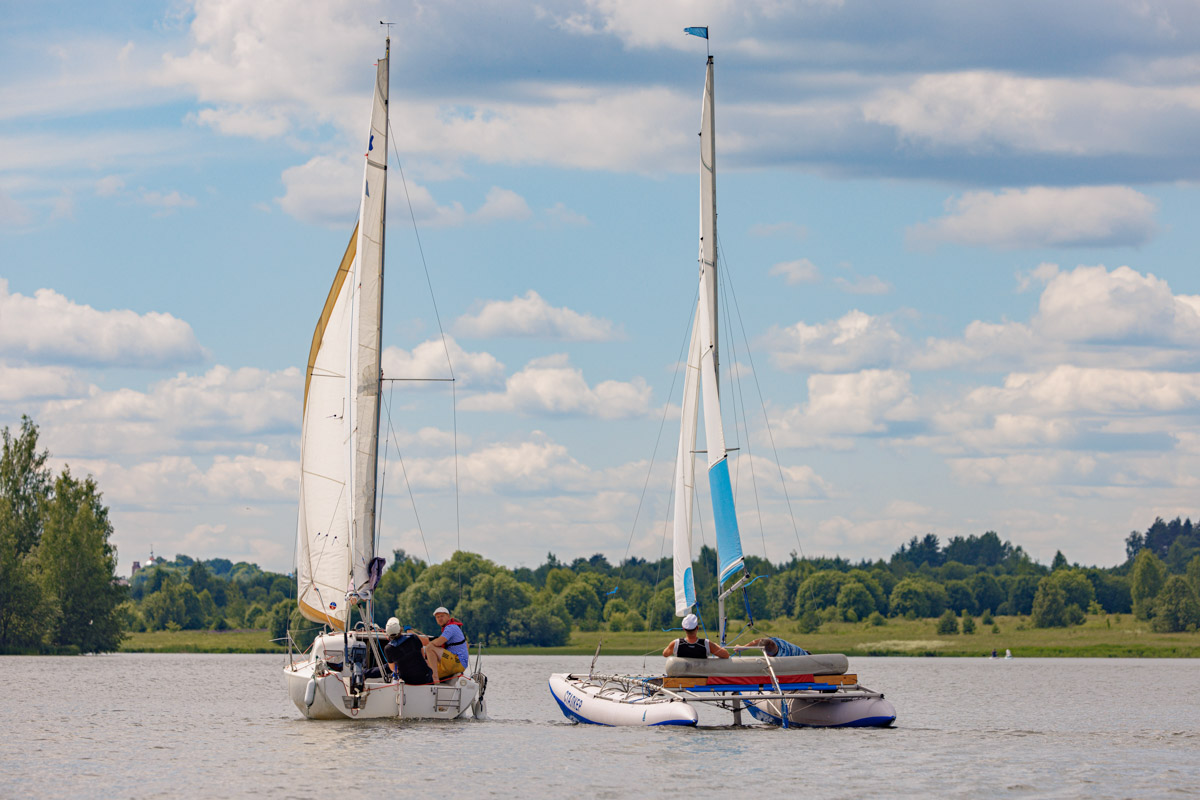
448, 665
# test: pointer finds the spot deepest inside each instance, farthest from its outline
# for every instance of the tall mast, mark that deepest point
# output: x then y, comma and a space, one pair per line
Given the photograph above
708, 209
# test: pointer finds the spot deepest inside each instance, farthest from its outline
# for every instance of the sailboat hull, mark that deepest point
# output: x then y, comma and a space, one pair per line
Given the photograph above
330, 697
596, 702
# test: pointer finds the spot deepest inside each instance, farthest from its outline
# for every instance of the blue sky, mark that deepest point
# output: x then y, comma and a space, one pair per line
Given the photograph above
960, 240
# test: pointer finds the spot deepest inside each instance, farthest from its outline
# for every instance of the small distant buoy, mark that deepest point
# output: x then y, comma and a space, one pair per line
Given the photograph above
310, 692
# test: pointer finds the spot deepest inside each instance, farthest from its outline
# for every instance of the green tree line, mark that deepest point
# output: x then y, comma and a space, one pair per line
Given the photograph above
58, 588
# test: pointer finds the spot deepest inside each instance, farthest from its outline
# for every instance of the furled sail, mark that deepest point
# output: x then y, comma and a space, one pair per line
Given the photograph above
340, 431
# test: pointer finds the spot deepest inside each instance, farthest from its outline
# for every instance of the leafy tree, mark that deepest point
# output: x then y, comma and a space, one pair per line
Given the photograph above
1060, 561
947, 623
582, 603
535, 625
1021, 593
920, 596
1077, 589
819, 590
1193, 574
78, 566
781, 591
959, 595
968, 623
1176, 608
854, 602
1148, 578
1050, 605
987, 590
24, 483
487, 612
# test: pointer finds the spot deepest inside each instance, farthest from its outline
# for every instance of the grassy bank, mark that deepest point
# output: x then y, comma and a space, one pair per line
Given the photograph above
246, 641
1100, 637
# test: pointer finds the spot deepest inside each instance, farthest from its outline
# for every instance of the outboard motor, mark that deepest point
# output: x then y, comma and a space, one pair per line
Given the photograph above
356, 657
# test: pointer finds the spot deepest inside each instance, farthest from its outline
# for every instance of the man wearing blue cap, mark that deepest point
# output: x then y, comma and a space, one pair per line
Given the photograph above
691, 646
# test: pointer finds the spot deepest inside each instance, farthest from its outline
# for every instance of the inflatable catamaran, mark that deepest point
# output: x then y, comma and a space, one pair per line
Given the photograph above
804, 690
336, 566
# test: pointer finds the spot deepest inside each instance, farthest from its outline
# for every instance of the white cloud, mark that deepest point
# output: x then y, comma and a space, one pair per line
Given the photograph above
532, 316
797, 272
1067, 389
166, 202
561, 215
503, 204
550, 386
1043, 216
428, 360
864, 284
218, 411
325, 191
854, 341
19, 385
1088, 316
1091, 304
855, 404
180, 481
50, 328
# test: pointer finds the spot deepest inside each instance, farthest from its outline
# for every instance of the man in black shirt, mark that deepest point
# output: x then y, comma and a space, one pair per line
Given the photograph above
691, 646
404, 655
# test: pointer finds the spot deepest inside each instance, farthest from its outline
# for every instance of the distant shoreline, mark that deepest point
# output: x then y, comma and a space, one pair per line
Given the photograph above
1102, 636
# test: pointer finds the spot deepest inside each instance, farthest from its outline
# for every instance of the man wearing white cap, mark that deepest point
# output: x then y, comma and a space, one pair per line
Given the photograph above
446, 654
690, 646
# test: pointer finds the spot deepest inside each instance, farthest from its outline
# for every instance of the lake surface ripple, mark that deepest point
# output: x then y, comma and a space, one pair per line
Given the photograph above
147, 725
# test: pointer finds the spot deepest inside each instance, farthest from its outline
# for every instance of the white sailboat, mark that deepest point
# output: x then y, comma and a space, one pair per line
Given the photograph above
336, 568
804, 690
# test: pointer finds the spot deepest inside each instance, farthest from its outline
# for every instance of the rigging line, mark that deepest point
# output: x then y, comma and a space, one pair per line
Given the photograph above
383, 477
687, 329
441, 331
742, 398
411, 497
766, 420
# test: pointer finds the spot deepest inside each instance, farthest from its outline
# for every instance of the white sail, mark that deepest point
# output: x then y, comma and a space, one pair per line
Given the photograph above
339, 435
685, 480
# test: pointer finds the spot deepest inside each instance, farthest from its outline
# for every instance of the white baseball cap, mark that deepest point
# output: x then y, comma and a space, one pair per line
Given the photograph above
690, 622
393, 627
441, 610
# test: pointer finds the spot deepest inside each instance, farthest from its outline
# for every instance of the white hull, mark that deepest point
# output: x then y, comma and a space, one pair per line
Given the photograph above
826, 712
455, 698
599, 703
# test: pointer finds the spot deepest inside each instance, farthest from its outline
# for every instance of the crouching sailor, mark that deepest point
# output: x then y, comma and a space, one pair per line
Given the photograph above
691, 646
446, 653
404, 656
774, 647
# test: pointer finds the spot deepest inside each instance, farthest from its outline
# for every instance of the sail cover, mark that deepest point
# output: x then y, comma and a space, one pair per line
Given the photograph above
340, 430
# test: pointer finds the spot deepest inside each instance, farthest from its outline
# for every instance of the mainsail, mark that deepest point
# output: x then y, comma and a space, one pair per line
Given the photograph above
340, 434
701, 379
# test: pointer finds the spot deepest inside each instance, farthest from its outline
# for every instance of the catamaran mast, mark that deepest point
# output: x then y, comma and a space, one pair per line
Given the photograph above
708, 209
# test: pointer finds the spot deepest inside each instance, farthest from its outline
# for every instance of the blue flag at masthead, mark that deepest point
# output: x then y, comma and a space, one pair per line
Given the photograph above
701, 32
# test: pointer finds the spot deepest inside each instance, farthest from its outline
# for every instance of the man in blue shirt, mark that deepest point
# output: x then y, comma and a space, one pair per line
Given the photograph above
775, 648
447, 653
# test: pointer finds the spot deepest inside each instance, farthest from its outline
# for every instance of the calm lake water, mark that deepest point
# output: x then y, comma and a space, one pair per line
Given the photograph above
134, 725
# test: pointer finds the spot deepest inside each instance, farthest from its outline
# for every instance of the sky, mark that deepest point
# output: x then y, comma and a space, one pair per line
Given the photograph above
959, 288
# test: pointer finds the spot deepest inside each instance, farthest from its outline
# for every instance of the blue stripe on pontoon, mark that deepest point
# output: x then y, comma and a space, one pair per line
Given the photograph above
570, 714
729, 541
